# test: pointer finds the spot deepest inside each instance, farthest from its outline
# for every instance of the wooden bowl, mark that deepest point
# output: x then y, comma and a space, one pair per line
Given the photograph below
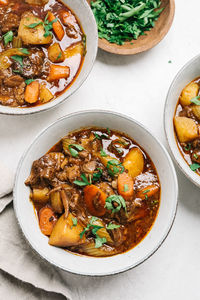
148, 41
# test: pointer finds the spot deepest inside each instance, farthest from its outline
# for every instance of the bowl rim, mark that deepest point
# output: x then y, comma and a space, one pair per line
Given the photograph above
111, 47
173, 214
20, 111
182, 164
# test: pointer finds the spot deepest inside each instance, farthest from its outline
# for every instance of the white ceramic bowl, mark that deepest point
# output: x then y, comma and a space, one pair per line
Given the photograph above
89, 265
85, 16
188, 73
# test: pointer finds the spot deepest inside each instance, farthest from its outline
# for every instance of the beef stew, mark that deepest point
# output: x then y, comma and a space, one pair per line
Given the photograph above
96, 192
187, 124
42, 47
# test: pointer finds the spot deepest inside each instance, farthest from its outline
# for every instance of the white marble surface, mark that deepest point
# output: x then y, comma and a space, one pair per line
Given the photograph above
136, 86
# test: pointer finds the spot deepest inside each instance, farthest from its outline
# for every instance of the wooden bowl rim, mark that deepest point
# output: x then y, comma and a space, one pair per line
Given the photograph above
123, 50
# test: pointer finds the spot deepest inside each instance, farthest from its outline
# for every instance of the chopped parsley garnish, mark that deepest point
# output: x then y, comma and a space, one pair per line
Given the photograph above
195, 156
33, 25
188, 147
98, 240
126, 188
103, 153
114, 167
195, 100
8, 37
115, 203
18, 58
84, 181
74, 152
100, 137
194, 167
75, 222
112, 226
108, 131
28, 81
24, 51
59, 56
97, 175
48, 26
146, 191
124, 20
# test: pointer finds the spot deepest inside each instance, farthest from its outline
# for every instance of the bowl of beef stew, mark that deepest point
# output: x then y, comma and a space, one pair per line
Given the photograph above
95, 193
47, 50
182, 119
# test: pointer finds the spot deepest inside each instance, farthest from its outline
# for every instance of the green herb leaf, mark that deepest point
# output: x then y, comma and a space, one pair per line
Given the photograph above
195, 100
28, 81
194, 167
59, 56
126, 188
33, 25
195, 156
74, 152
74, 221
8, 37
100, 137
24, 51
146, 191
114, 167
119, 200
108, 131
112, 226
103, 153
18, 58
97, 175
188, 147
84, 181
99, 241
48, 26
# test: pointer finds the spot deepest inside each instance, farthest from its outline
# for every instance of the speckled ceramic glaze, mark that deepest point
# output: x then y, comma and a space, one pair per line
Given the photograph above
90, 265
87, 21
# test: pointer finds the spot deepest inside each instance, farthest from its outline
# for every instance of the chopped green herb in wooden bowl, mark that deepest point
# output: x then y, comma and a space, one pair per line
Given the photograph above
132, 26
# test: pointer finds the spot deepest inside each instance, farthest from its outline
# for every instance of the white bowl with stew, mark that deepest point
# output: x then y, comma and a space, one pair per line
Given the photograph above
85, 265
86, 20
187, 74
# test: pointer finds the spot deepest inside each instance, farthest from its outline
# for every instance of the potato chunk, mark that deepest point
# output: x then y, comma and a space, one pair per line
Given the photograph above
64, 234
134, 162
45, 94
189, 92
196, 111
74, 50
40, 195
55, 53
33, 36
186, 129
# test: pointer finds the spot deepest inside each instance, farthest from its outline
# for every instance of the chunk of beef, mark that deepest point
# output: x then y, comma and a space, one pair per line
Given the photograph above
89, 167
196, 144
118, 235
19, 93
10, 22
72, 173
186, 112
13, 81
34, 65
37, 2
42, 170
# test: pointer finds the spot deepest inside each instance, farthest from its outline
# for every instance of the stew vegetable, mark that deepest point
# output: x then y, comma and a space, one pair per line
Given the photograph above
96, 192
42, 47
186, 124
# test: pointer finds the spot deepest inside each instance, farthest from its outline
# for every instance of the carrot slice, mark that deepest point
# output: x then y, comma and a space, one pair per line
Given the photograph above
148, 191
4, 2
32, 92
95, 200
125, 186
57, 27
47, 220
57, 72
